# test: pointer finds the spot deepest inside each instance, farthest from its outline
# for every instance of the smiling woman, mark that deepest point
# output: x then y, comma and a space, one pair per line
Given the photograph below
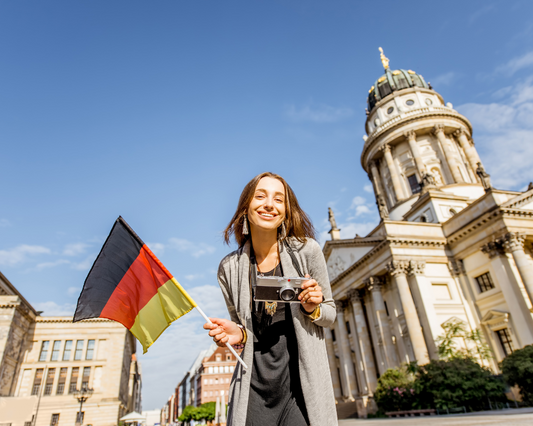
283, 339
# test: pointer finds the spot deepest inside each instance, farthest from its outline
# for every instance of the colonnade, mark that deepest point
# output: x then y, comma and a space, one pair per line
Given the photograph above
374, 339
450, 157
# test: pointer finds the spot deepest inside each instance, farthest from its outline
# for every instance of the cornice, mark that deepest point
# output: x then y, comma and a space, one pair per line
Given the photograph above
69, 320
415, 242
355, 242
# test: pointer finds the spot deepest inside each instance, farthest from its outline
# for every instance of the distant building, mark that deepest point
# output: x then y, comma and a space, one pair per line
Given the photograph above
43, 360
208, 378
449, 247
217, 370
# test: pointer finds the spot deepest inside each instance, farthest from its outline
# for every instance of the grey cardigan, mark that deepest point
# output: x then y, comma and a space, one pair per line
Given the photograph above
233, 277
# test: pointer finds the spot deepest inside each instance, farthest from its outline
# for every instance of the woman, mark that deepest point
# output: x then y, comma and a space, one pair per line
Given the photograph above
288, 381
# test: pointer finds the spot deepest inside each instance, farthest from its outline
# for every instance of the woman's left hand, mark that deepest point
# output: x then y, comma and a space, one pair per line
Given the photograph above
311, 296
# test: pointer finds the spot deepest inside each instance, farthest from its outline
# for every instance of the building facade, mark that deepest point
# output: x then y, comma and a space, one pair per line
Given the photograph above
449, 246
216, 374
46, 359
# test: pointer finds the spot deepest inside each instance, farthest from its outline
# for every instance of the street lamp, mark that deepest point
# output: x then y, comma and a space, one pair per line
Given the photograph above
82, 396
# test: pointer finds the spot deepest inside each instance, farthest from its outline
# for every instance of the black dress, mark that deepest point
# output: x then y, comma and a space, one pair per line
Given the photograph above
276, 397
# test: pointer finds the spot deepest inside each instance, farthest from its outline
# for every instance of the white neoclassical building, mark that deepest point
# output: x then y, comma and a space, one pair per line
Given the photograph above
449, 246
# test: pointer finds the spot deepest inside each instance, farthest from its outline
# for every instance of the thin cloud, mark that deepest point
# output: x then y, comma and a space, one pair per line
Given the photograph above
192, 277
368, 188
54, 309
71, 291
20, 254
157, 248
358, 201
85, 264
195, 249
505, 124
75, 249
480, 12
45, 265
516, 64
317, 113
4, 223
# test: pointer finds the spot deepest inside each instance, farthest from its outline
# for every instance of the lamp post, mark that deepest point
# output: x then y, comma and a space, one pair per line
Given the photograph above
82, 396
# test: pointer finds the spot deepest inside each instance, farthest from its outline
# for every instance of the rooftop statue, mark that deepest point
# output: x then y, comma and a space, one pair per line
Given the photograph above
384, 60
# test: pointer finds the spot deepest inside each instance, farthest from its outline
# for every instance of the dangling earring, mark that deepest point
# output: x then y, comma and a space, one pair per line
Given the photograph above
283, 233
245, 226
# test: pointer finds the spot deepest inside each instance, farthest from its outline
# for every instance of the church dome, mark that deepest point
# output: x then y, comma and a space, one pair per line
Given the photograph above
392, 81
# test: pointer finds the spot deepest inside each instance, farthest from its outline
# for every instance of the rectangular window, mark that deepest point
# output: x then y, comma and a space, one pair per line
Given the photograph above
37, 381
90, 350
55, 350
79, 417
49, 381
505, 339
333, 335
484, 282
74, 380
413, 183
348, 327
62, 380
44, 351
28, 423
67, 350
85, 377
386, 308
54, 421
79, 350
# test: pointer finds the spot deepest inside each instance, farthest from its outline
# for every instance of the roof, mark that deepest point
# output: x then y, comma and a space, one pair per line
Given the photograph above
392, 81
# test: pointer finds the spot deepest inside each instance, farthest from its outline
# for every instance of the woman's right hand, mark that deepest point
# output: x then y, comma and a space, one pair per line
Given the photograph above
224, 331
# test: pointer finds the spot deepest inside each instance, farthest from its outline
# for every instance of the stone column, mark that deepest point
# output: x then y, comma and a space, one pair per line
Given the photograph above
506, 279
397, 185
450, 157
333, 365
416, 279
374, 285
378, 190
398, 270
420, 166
365, 346
345, 355
513, 243
470, 151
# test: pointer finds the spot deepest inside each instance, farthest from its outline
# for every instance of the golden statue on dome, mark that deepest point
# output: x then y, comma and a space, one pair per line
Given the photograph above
384, 60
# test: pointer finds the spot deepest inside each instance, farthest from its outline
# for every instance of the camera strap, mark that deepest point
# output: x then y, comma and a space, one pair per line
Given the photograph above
295, 262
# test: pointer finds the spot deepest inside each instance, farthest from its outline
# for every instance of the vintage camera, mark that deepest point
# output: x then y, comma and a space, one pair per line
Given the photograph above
278, 289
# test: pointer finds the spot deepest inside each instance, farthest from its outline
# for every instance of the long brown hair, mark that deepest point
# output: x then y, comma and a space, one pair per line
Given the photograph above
297, 223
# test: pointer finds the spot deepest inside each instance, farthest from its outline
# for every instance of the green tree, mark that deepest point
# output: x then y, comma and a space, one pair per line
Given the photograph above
187, 414
457, 382
475, 346
205, 411
396, 389
517, 369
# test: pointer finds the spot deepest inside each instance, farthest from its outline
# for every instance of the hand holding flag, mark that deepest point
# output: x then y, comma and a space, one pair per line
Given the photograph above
128, 284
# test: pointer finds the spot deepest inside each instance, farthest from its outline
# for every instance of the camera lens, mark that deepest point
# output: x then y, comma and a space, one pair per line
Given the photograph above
287, 294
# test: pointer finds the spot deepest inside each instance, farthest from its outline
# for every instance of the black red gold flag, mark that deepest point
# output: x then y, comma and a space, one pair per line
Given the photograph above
127, 283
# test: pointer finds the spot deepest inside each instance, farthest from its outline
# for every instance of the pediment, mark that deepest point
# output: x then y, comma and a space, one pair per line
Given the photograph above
495, 320
341, 257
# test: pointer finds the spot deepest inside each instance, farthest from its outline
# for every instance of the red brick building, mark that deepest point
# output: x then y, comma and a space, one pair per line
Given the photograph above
216, 374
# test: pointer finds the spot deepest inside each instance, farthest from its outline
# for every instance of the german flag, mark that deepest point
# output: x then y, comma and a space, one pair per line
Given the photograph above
127, 283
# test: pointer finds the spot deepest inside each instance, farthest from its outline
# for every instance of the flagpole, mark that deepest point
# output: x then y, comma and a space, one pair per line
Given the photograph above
227, 344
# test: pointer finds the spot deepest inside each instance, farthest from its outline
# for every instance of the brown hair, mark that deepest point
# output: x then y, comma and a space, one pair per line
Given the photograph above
297, 223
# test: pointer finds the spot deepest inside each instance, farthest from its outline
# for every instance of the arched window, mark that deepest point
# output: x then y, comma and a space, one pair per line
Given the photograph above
423, 218
453, 212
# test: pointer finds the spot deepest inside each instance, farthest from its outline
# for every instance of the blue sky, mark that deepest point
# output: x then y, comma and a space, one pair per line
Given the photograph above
162, 111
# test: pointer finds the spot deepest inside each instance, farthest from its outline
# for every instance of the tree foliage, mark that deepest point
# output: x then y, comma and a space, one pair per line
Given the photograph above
395, 390
474, 343
203, 412
517, 369
457, 382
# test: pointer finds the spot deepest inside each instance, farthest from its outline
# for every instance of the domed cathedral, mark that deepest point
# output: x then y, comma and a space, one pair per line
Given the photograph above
449, 246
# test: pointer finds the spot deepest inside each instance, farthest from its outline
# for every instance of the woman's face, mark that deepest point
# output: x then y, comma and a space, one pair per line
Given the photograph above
267, 208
